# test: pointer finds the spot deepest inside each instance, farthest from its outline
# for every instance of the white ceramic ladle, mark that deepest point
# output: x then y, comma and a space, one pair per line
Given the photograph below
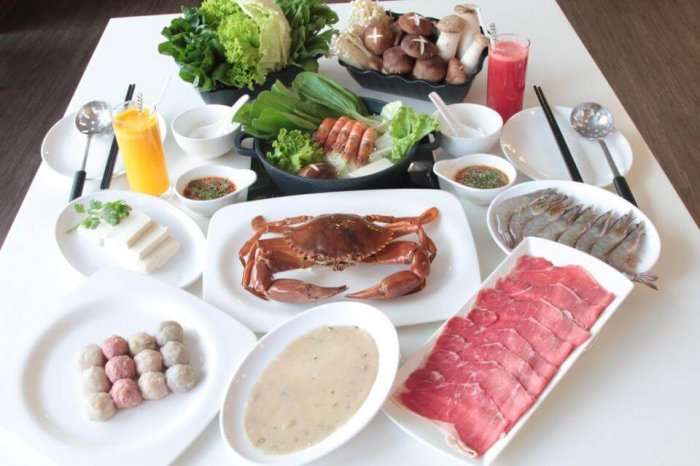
458, 129
222, 126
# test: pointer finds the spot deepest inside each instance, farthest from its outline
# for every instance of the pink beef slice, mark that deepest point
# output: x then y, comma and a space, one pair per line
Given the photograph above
498, 353
554, 350
546, 314
509, 395
540, 272
510, 338
474, 415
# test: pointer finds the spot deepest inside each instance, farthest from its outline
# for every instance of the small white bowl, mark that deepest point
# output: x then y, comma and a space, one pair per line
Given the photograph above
447, 169
345, 313
242, 179
205, 147
476, 116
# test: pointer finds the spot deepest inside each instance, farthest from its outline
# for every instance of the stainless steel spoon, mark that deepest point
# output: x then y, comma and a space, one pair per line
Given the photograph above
593, 121
93, 118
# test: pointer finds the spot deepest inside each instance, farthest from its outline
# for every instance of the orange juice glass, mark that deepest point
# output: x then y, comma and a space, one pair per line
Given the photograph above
141, 148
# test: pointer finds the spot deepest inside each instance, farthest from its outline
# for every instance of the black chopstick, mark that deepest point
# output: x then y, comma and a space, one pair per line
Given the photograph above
561, 142
112, 157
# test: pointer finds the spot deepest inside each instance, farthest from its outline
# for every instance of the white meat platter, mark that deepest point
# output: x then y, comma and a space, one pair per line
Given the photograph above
425, 430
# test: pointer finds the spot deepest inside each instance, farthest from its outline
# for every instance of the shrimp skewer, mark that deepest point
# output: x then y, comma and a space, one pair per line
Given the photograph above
333, 135
353, 144
323, 129
366, 146
343, 136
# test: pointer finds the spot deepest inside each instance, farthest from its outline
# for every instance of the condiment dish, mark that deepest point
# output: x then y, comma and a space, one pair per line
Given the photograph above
241, 178
476, 116
447, 169
233, 408
214, 143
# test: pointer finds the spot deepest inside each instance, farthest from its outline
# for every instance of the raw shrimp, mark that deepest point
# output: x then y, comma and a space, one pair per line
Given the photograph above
625, 257
343, 136
614, 236
537, 207
506, 209
593, 234
537, 223
560, 225
366, 146
335, 130
353, 144
323, 130
580, 226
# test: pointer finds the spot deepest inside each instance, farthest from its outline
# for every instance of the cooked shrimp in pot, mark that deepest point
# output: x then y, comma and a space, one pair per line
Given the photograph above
343, 136
335, 130
366, 146
323, 129
353, 144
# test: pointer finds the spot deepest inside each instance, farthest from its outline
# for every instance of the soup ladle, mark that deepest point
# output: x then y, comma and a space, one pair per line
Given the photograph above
93, 118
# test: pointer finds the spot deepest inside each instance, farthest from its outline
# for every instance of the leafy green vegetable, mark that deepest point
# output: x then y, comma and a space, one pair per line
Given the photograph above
307, 21
407, 129
332, 95
293, 150
112, 212
280, 108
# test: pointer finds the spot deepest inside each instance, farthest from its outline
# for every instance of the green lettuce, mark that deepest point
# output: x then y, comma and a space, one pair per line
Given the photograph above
407, 129
293, 150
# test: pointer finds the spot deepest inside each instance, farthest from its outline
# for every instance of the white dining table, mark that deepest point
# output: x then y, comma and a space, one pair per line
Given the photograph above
631, 399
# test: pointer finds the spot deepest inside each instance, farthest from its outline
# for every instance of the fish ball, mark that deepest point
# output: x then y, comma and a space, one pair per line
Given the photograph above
148, 361
153, 386
94, 380
120, 367
141, 341
98, 406
125, 393
91, 356
115, 346
169, 330
180, 378
174, 352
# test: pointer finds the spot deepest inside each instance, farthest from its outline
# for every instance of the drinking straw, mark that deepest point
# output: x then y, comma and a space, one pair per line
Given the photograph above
558, 136
112, 157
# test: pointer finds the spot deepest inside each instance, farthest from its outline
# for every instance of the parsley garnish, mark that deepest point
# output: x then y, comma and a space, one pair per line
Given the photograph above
96, 212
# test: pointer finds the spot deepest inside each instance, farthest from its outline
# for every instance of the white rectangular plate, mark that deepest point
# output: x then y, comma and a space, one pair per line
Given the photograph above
558, 254
454, 274
47, 407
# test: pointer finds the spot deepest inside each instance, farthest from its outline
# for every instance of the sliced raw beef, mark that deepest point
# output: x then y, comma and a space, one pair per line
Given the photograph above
558, 295
496, 352
546, 314
510, 396
510, 338
552, 349
485, 370
475, 417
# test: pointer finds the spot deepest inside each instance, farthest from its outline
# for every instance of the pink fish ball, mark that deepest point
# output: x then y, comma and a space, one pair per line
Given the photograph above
125, 394
115, 346
120, 367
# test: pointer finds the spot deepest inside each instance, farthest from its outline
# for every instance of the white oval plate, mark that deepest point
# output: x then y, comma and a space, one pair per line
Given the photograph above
87, 258
528, 143
454, 272
47, 405
426, 430
590, 196
63, 147
271, 345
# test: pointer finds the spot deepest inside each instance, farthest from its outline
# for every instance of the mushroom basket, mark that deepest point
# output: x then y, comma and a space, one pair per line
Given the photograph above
410, 85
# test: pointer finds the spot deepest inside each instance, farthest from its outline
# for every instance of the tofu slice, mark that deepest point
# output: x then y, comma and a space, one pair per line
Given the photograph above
370, 168
148, 242
128, 231
159, 257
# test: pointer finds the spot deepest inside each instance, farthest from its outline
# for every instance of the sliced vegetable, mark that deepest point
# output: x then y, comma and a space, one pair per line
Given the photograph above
407, 129
293, 150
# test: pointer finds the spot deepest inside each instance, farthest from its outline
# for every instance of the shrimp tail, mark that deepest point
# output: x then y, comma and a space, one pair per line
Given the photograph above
645, 279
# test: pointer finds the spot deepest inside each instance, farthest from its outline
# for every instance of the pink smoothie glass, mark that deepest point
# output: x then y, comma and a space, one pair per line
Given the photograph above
505, 86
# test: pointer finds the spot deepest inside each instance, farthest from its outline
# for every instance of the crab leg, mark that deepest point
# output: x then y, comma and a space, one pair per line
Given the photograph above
426, 217
273, 255
260, 226
399, 283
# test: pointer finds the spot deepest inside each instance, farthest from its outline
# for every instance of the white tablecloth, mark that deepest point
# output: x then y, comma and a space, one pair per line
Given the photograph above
632, 399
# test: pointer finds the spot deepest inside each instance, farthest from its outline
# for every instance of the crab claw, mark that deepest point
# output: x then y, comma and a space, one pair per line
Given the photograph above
297, 292
396, 284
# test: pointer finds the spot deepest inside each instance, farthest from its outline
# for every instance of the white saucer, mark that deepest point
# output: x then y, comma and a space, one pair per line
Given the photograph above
528, 143
87, 257
63, 146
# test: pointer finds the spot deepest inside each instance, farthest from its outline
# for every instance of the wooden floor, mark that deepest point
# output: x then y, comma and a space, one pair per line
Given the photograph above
648, 49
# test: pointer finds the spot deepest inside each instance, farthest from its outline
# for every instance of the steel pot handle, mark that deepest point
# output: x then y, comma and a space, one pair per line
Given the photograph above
421, 174
431, 145
238, 139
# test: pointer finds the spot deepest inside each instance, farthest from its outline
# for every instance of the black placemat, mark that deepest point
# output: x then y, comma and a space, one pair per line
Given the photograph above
265, 188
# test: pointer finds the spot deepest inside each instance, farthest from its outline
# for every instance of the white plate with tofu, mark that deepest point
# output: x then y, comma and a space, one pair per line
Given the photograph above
156, 238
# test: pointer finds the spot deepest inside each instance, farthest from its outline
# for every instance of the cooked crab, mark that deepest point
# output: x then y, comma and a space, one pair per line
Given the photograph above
336, 241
